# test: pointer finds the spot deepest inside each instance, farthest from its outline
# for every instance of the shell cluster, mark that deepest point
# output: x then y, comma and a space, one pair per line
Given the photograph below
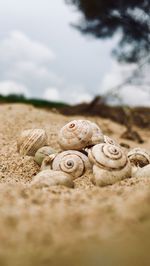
84, 148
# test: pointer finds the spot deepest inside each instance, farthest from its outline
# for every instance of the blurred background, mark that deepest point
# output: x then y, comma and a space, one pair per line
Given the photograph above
74, 50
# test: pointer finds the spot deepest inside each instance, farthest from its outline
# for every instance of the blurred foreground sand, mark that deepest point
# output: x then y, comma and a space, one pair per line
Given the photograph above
60, 226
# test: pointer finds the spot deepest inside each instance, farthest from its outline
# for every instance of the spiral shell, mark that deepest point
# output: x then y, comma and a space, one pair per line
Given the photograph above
139, 157
109, 140
31, 140
71, 162
48, 178
41, 154
143, 172
75, 135
110, 164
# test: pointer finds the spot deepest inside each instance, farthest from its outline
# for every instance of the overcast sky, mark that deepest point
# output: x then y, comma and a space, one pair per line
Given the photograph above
41, 55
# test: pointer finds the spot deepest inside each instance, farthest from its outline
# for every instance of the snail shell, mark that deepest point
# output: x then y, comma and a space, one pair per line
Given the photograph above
31, 140
143, 172
48, 178
110, 164
42, 153
139, 157
109, 140
97, 135
75, 135
79, 134
72, 162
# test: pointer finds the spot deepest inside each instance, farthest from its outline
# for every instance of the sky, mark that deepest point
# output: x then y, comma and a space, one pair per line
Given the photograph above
43, 56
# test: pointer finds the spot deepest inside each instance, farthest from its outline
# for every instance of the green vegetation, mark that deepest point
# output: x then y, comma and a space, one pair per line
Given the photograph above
13, 98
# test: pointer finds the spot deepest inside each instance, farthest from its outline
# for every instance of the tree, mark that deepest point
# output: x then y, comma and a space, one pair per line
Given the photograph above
131, 18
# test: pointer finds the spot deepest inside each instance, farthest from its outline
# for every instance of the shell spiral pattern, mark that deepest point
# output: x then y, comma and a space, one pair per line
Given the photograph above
71, 162
75, 135
108, 156
110, 164
109, 140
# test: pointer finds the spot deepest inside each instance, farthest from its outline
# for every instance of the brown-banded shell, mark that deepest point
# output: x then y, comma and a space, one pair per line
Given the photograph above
31, 140
48, 178
139, 157
72, 162
41, 154
110, 164
75, 135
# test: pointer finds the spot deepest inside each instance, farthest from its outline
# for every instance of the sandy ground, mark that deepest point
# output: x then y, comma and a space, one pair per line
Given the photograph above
86, 225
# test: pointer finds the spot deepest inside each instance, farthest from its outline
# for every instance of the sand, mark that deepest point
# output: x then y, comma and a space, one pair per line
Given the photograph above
86, 225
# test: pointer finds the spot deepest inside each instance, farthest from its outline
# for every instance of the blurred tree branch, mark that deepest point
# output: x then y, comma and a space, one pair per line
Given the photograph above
131, 18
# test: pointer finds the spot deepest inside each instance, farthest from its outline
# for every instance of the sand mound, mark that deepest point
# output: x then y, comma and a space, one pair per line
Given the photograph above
61, 226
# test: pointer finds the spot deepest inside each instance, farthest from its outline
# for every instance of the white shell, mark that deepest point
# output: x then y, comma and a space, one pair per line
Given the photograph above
143, 172
134, 169
110, 164
48, 178
111, 141
97, 135
31, 140
139, 157
72, 162
42, 153
75, 135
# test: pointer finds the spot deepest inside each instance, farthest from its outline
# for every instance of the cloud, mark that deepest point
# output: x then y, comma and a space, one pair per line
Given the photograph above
28, 62
26, 68
80, 97
76, 93
73, 95
51, 94
117, 74
11, 87
135, 94
17, 46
